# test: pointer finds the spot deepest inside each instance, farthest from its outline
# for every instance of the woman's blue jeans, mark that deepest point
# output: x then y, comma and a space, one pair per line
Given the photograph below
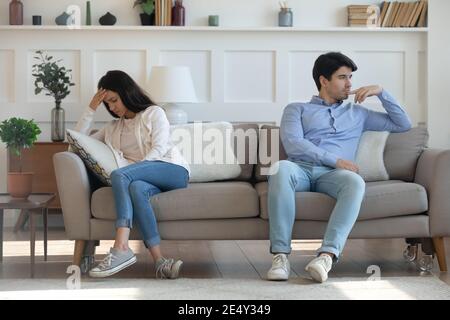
133, 186
345, 186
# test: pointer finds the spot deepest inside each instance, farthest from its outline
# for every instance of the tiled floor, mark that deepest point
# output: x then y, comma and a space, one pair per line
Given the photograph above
211, 259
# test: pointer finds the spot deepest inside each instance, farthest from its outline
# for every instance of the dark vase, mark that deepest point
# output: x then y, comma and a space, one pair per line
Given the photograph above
108, 20
37, 20
16, 13
178, 14
147, 19
88, 13
62, 19
58, 123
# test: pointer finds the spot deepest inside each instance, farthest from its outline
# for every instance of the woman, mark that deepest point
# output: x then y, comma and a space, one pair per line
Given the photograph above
148, 164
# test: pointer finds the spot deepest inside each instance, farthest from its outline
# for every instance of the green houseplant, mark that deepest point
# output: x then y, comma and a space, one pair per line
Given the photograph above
19, 134
55, 81
148, 8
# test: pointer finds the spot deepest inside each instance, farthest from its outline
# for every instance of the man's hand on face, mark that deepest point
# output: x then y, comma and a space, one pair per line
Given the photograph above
362, 93
347, 165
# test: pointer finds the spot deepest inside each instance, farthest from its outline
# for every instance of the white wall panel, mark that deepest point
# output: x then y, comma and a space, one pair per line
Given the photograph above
385, 68
301, 84
239, 75
7, 76
249, 76
133, 62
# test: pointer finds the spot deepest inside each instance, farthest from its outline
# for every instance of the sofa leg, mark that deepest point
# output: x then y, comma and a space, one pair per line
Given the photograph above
439, 248
89, 247
78, 251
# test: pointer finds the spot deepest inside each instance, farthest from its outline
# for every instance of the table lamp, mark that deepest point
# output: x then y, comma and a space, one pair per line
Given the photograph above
169, 86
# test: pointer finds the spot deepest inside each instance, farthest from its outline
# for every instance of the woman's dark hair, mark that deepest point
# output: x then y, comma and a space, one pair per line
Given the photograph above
328, 63
132, 96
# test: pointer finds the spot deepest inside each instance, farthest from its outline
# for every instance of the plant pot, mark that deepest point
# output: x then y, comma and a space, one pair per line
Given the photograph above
19, 184
147, 19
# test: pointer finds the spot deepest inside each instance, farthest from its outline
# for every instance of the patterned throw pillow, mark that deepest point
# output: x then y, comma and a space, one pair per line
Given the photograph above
96, 155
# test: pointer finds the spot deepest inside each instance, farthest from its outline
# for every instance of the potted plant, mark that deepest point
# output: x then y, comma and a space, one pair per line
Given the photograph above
18, 134
148, 16
55, 80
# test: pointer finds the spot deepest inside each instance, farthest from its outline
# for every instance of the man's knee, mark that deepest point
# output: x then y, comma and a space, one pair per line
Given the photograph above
354, 181
281, 170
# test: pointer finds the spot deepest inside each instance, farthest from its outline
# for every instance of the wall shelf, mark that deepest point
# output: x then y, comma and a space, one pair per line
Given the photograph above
210, 29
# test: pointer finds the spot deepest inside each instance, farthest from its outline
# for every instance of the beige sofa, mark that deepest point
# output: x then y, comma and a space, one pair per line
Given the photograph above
414, 204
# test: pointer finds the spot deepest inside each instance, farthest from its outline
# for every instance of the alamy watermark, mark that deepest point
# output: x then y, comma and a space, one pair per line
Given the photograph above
74, 17
202, 144
375, 272
73, 282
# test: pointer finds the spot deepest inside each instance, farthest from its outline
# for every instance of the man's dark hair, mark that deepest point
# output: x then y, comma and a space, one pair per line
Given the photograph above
132, 96
328, 63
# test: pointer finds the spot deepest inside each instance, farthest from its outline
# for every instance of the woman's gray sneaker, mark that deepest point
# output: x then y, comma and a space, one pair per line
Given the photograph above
168, 268
115, 261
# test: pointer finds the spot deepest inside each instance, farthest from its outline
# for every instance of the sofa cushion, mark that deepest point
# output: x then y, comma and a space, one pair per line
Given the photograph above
214, 200
382, 199
403, 151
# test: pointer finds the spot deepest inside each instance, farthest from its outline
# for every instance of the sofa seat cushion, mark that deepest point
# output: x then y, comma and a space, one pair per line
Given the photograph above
213, 200
382, 199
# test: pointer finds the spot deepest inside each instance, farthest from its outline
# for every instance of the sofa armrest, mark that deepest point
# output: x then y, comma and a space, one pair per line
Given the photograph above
75, 194
433, 172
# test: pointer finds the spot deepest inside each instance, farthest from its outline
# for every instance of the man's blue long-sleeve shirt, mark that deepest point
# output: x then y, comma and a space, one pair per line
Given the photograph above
320, 134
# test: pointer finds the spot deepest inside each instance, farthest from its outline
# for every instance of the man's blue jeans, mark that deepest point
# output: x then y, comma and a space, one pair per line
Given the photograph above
133, 186
345, 186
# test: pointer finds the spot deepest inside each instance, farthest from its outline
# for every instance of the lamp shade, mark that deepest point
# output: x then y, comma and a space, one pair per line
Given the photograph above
171, 84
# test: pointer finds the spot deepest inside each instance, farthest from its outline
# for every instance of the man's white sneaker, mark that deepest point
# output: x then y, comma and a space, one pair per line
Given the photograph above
319, 267
280, 268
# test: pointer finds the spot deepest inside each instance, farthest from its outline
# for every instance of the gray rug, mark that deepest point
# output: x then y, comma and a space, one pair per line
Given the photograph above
425, 287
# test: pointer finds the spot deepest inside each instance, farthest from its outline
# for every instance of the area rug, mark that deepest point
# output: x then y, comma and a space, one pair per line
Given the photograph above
396, 288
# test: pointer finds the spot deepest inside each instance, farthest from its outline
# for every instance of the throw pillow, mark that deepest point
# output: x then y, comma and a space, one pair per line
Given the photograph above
96, 155
403, 151
208, 148
369, 156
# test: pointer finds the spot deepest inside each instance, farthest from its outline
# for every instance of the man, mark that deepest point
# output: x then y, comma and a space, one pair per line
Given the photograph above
321, 138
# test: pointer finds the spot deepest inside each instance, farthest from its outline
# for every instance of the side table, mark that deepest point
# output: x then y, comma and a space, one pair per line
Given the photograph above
35, 203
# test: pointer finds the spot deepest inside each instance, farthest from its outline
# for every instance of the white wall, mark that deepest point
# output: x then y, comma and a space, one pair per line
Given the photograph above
438, 74
242, 75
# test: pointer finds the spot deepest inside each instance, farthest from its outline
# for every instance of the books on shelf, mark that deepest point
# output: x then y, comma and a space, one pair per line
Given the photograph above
163, 12
363, 15
391, 14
